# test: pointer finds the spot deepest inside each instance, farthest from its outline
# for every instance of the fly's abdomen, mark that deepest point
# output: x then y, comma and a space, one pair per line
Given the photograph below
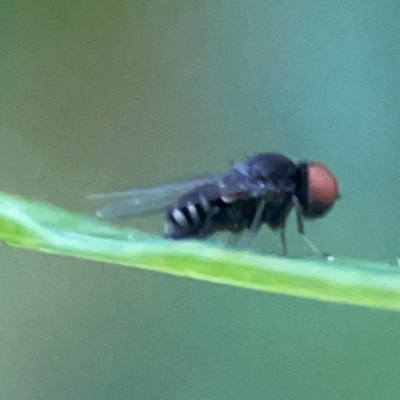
189, 218
198, 213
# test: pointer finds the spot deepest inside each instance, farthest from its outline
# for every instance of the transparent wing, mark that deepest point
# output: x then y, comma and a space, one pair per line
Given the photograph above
145, 201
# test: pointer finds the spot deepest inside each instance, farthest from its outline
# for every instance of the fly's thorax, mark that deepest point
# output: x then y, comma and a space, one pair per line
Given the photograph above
266, 175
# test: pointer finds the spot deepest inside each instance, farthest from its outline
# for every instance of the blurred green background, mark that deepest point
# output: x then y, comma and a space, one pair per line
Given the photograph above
100, 95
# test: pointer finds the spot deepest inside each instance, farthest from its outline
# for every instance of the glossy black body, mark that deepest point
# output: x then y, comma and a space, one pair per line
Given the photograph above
261, 190
231, 203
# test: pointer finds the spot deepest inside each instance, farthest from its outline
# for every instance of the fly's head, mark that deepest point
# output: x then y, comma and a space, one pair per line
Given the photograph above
318, 189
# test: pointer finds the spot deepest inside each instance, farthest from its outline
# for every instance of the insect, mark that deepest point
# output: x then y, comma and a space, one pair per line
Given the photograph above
261, 190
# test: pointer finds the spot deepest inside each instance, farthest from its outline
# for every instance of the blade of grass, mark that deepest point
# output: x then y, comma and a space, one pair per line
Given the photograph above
49, 229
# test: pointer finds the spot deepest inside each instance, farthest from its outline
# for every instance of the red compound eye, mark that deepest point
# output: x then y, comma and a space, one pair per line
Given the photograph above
322, 190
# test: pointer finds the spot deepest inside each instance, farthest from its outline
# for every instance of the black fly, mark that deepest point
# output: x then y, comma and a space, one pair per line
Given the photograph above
261, 190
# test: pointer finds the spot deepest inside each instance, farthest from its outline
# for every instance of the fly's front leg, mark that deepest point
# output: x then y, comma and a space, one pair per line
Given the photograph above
300, 227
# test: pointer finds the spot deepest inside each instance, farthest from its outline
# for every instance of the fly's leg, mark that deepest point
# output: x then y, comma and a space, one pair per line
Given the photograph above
255, 226
257, 220
283, 241
300, 227
207, 225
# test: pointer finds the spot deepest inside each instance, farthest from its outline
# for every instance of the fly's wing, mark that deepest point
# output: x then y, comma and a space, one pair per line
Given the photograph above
145, 201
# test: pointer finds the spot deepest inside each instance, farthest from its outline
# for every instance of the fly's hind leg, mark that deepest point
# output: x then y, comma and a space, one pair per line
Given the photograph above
283, 241
257, 220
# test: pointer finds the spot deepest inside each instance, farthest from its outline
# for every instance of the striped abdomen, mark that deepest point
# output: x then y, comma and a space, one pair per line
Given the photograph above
203, 212
192, 215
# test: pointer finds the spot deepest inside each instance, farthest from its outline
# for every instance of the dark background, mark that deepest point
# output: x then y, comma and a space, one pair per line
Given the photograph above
100, 95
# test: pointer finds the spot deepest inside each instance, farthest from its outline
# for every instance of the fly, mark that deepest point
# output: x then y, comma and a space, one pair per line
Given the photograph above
261, 190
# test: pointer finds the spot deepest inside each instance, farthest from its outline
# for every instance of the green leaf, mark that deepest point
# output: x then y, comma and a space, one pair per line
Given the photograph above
49, 229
